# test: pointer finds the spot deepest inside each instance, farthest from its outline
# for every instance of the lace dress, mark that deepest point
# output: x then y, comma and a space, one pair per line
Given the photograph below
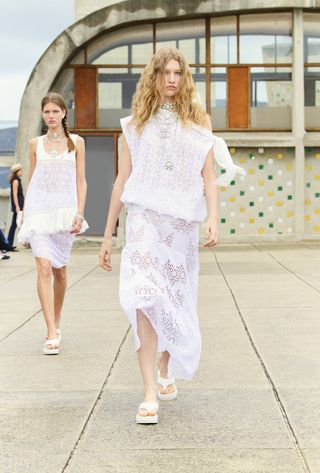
159, 275
50, 206
159, 263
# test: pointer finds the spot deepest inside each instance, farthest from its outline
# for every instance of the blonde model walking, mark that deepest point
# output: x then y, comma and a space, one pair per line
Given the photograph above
165, 179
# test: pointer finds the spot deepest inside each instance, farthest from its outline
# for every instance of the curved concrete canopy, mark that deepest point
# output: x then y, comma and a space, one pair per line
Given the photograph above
100, 21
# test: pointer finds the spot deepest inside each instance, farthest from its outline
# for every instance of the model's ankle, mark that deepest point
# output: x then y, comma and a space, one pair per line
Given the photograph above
163, 369
52, 334
150, 393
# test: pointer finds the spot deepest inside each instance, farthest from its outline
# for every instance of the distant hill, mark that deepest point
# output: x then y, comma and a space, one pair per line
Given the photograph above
8, 138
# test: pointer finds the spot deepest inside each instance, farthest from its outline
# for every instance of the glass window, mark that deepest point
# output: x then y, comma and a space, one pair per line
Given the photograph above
188, 36
65, 86
265, 38
124, 46
271, 98
199, 77
311, 22
224, 40
218, 97
312, 97
115, 92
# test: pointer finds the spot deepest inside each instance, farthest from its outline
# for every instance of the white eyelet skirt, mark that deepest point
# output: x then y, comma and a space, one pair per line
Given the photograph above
56, 247
159, 275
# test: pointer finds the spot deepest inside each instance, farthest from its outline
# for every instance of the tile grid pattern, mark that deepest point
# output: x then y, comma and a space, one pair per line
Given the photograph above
262, 202
312, 191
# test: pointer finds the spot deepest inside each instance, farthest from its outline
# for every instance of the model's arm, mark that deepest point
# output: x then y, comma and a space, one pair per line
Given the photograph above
32, 158
210, 188
81, 184
15, 185
32, 165
115, 205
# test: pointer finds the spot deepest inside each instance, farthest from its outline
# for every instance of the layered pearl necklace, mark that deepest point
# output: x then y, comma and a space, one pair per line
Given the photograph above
55, 139
167, 120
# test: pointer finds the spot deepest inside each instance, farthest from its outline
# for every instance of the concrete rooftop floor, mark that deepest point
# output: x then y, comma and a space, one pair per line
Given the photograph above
253, 406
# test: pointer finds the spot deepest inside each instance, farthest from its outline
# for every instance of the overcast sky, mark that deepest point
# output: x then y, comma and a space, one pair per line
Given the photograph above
27, 27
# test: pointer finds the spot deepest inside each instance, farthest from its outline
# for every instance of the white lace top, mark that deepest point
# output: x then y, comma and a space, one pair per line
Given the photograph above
51, 201
173, 185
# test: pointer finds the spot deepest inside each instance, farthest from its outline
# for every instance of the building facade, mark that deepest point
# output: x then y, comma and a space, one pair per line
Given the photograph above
256, 66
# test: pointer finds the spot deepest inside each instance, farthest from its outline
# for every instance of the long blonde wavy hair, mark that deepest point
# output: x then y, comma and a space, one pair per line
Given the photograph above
151, 92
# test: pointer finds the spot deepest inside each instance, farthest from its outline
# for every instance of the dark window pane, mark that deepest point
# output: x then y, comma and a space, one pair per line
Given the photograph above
115, 91
312, 97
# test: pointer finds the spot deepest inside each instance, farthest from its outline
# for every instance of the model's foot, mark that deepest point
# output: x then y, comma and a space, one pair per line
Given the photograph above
169, 390
51, 347
150, 398
163, 373
151, 411
148, 413
53, 336
57, 335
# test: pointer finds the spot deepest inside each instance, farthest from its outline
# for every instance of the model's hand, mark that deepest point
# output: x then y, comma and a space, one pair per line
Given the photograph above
19, 219
77, 224
105, 254
211, 232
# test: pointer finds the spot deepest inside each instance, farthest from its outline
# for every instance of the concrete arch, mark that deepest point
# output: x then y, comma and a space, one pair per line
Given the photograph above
100, 21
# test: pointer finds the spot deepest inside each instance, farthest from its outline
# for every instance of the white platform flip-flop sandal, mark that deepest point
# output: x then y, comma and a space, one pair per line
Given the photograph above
151, 410
59, 336
51, 351
164, 383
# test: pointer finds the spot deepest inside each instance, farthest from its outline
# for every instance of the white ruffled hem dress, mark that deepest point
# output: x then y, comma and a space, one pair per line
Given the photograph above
159, 263
51, 205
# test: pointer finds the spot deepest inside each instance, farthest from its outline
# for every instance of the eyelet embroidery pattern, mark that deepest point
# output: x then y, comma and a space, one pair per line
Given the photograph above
55, 248
53, 183
135, 236
180, 192
159, 273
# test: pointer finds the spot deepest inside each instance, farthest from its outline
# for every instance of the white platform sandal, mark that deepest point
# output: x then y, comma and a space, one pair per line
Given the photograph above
51, 351
151, 416
164, 383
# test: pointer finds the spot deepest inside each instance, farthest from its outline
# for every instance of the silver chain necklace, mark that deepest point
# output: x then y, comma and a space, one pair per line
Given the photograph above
166, 125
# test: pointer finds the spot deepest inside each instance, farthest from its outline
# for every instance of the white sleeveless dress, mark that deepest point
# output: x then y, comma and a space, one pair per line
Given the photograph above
50, 206
159, 263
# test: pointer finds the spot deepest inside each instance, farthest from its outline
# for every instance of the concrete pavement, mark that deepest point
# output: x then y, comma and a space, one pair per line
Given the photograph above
253, 407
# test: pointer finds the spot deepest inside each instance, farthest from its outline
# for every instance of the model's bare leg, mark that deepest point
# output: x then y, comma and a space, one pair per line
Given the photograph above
45, 292
163, 368
147, 354
59, 290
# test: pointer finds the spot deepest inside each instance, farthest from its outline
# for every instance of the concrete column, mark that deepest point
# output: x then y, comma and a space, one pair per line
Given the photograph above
298, 127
